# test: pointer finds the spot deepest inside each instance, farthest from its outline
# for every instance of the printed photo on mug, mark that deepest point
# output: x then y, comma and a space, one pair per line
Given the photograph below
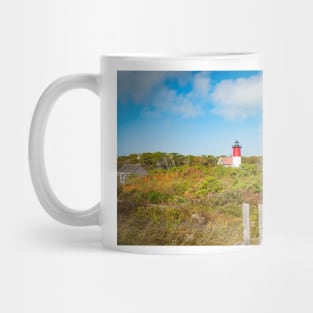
189, 157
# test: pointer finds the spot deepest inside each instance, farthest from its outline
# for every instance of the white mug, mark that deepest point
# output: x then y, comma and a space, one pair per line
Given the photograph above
181, 152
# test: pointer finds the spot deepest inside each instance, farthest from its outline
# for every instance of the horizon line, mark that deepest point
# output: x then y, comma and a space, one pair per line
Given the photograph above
198, 155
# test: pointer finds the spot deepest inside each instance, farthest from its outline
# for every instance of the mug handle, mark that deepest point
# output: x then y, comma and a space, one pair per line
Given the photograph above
45, 194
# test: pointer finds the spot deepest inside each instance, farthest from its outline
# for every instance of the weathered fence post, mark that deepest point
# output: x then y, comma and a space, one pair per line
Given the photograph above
246, 223
260, 206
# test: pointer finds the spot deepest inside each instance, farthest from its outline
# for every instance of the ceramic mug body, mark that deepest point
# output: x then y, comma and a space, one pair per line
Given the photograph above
181, 152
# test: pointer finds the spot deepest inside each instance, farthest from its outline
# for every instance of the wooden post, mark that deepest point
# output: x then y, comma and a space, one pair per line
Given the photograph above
260, 206
246, 223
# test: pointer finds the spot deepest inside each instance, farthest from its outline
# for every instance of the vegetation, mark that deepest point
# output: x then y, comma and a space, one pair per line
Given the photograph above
187, 200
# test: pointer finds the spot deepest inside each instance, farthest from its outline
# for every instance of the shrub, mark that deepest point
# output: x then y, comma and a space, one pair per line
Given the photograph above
156, 197
188, 204
210, 184
176, 199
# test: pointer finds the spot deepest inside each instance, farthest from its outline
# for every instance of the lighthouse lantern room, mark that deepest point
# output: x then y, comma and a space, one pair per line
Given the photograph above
236, 154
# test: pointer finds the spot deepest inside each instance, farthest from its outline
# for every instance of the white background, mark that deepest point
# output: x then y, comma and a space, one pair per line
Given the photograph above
49, 267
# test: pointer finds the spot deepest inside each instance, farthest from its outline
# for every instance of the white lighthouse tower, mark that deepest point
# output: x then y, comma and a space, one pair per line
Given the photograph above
236, 154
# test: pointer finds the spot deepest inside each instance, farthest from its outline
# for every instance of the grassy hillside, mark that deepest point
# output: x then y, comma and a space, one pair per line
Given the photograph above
187, 200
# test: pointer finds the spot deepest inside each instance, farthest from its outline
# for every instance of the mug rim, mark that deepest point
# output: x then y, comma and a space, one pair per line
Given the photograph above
185, 56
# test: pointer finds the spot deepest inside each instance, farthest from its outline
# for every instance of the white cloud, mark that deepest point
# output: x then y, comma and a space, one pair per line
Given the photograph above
239, 98
201, 84
168, 100
188, 109
148, 89
187, 105
138, 86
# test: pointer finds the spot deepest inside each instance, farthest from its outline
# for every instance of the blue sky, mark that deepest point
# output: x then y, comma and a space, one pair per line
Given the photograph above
189, 112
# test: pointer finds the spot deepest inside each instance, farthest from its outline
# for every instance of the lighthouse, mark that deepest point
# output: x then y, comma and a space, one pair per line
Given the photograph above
236, 154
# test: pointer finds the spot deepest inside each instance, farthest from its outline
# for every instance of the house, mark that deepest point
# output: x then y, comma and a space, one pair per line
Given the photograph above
130, 169
225, 161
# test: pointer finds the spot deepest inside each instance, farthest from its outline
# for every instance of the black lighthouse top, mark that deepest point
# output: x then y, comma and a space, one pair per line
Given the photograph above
236, 144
